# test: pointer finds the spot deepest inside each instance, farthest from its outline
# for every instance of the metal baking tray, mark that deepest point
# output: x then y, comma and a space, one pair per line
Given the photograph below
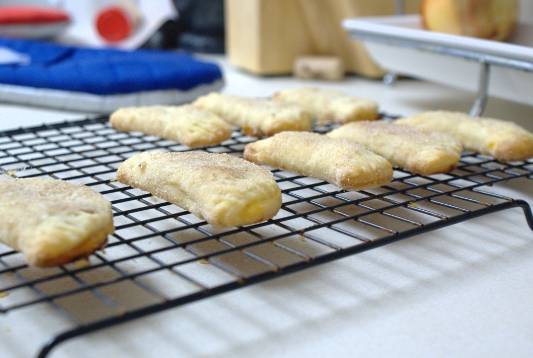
400, 45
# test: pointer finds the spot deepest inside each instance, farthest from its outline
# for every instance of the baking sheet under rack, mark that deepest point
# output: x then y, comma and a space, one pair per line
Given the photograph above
162, 256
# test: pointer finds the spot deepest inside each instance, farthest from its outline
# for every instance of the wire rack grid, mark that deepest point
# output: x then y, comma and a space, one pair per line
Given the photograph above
161, 256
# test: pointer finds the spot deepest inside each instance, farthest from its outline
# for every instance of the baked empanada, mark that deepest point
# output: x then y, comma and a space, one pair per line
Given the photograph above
257, 117
220, 188
416, 150
186, 124
330, 105
503, 140
52, 222
339, 161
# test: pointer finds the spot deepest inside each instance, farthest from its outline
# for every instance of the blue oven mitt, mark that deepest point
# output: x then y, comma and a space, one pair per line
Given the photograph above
101, 80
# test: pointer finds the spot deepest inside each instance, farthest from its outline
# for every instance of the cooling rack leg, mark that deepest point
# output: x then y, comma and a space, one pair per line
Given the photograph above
480, 103
527, 212
51, 344
390, 78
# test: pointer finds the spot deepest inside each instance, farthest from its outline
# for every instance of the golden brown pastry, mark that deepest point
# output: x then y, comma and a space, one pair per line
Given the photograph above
329, 105
257, 117
52, 222
413, 149
503, 140
339, 161
186, 124
489, 19
220, 188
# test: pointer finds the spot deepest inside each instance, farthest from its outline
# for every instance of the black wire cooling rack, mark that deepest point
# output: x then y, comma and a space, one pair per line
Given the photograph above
166, 257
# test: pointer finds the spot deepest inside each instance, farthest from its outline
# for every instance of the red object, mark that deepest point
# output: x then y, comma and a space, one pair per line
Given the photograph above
31, 15
114, 24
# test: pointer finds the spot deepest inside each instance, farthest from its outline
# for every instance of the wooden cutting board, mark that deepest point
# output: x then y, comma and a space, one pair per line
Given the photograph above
265, 36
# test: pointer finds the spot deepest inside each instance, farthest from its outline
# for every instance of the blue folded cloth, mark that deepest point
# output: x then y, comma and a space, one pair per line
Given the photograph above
104, 71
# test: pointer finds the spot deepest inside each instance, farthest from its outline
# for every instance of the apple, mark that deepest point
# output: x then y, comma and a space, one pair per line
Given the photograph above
488, 19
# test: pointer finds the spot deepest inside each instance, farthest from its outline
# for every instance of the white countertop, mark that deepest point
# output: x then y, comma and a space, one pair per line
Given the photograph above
460, 291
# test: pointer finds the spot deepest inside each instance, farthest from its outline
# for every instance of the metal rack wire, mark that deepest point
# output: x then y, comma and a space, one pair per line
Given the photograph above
166, 257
